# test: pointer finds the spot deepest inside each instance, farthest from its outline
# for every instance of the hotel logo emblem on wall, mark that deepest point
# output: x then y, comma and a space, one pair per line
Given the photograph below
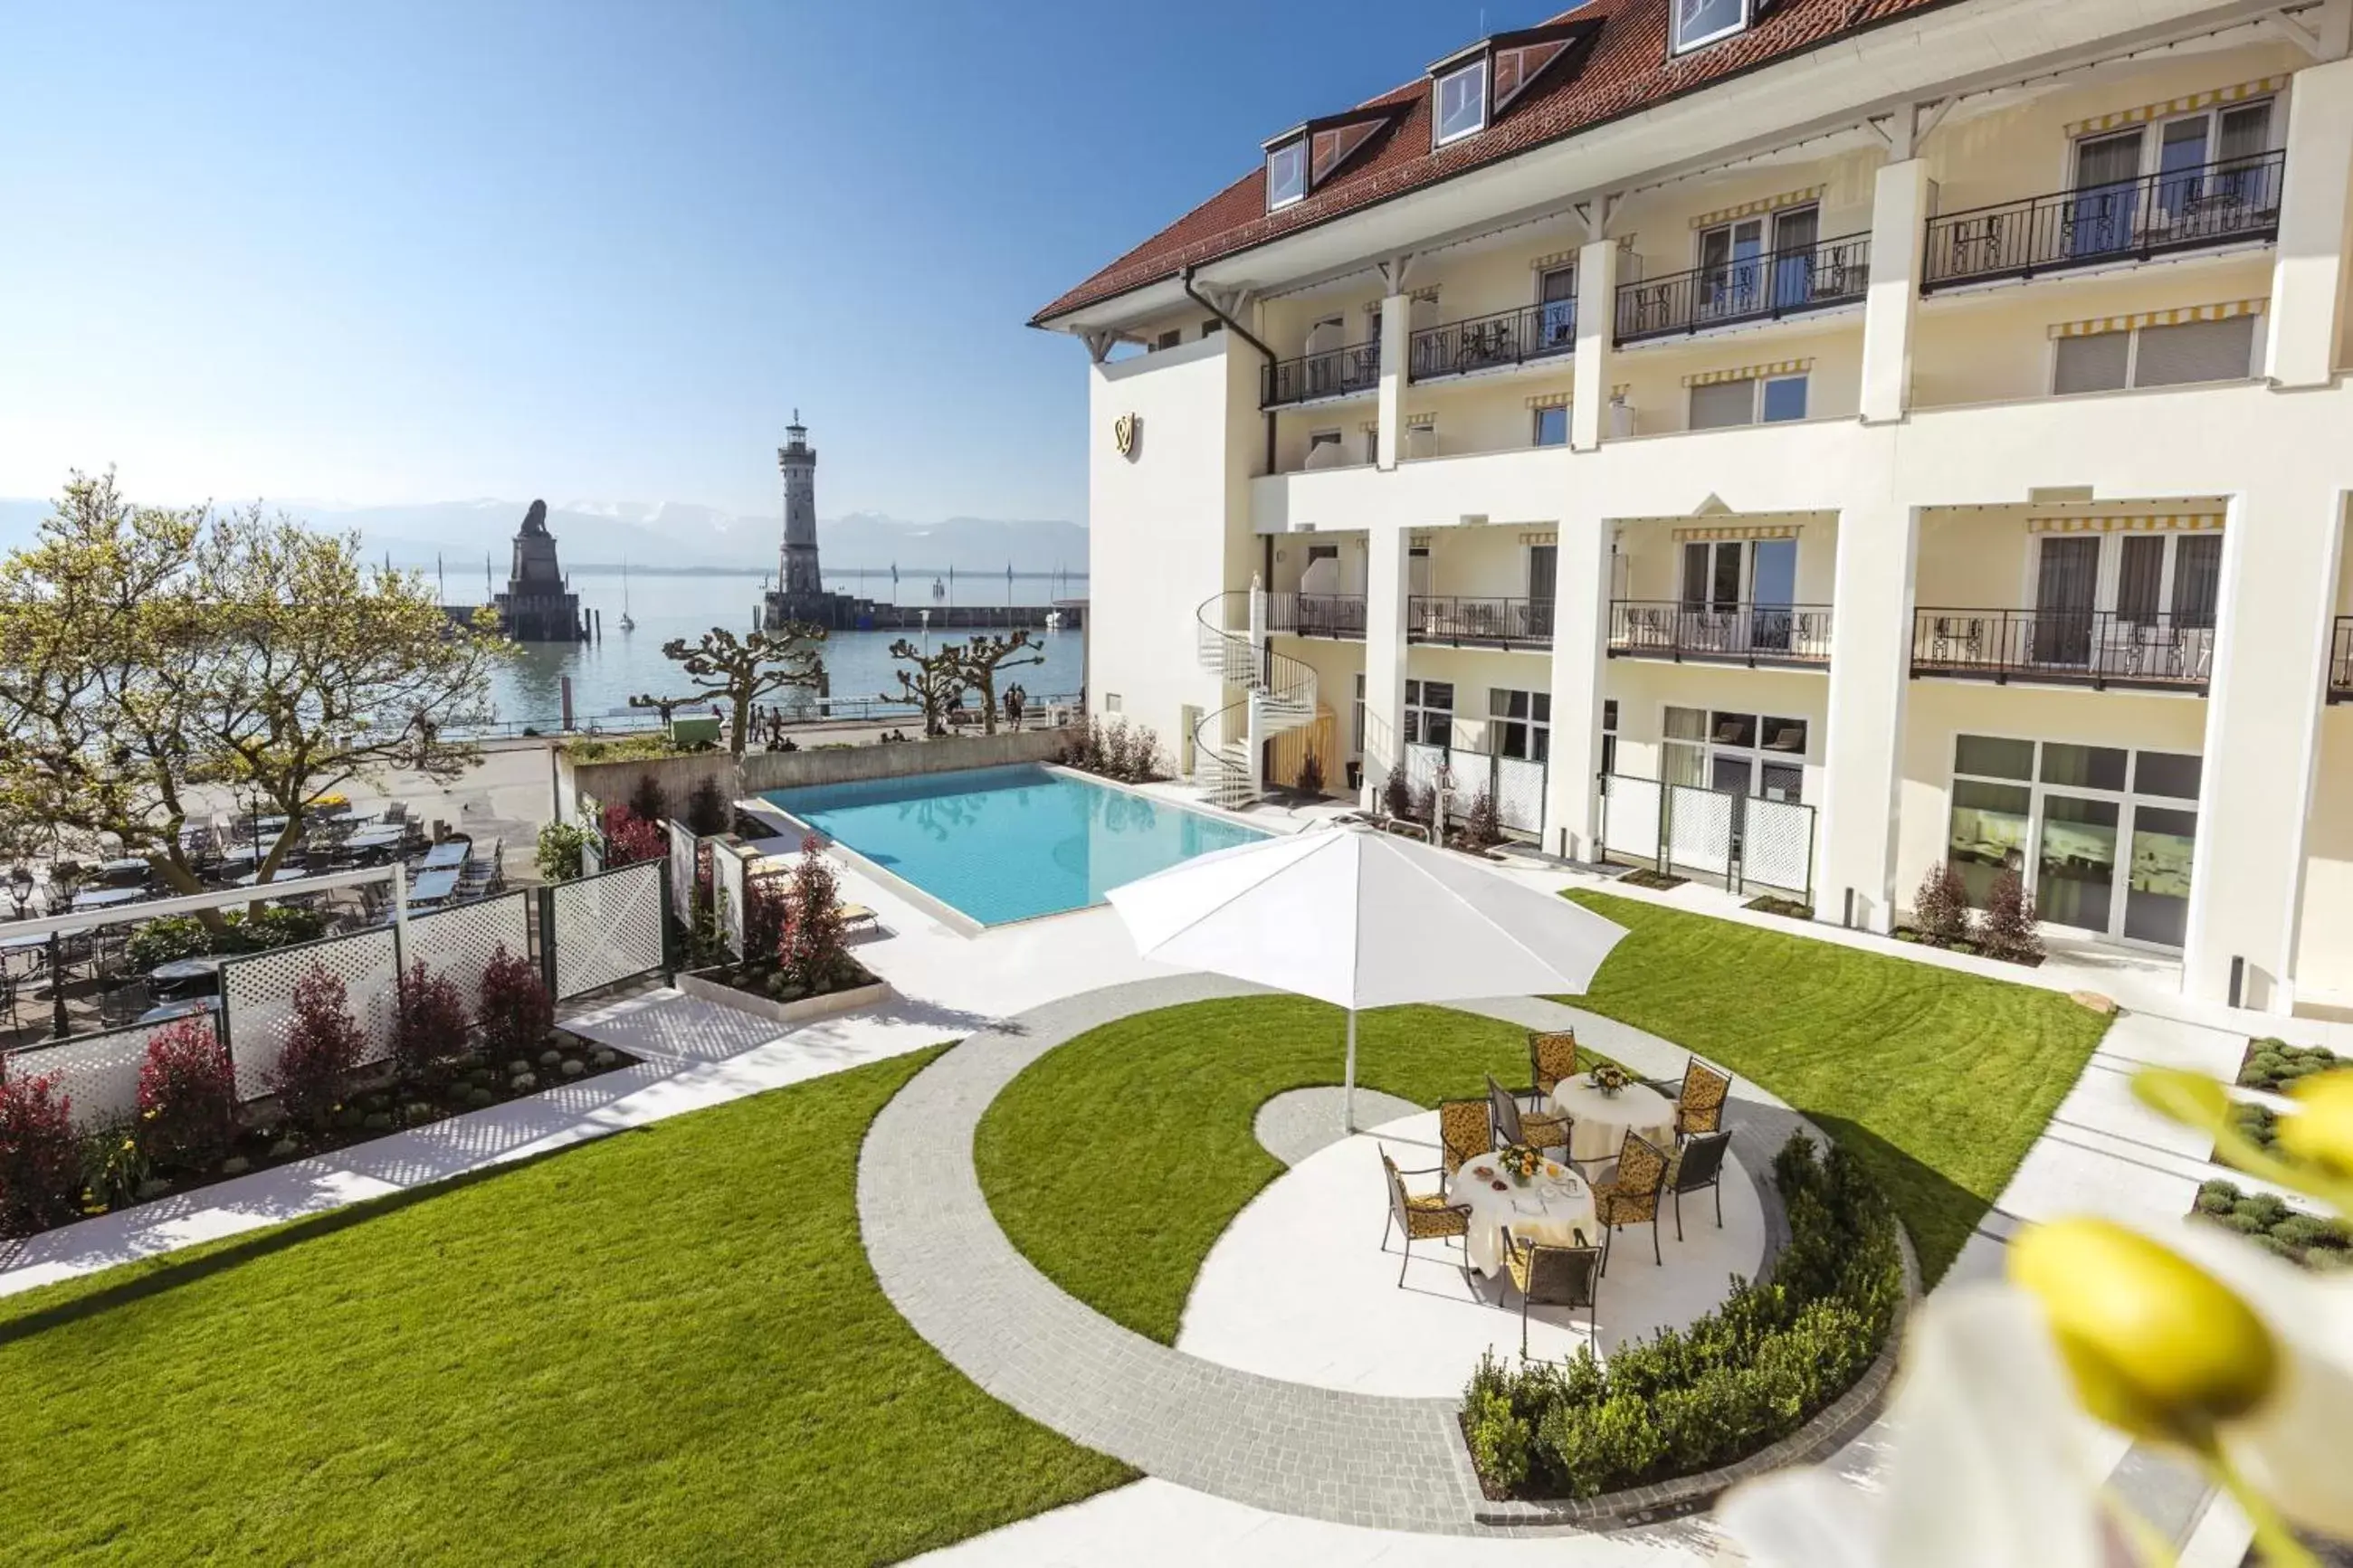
1124, 433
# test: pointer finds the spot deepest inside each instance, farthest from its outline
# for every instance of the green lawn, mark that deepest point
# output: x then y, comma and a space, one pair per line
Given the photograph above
665, 1348
1939, 1080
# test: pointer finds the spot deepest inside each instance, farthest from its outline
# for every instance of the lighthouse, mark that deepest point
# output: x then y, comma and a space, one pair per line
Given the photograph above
797, 572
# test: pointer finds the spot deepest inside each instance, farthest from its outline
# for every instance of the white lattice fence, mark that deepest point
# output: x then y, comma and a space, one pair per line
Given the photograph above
1520, 793
259, 992
1776, 844
460, 940
727, 871
607, 928
98, 1074
1631, 823
1421, 764
1699, 828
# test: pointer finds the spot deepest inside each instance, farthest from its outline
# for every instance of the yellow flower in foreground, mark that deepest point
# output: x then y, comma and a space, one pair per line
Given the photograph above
2320, 1129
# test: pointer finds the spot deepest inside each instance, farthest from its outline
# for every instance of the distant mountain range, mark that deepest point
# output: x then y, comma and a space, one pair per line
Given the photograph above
664, 535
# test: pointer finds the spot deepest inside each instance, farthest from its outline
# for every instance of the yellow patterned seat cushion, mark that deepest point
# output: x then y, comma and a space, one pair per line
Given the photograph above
1463, 1130
1423, 1223
1700, 1108
1552, 1056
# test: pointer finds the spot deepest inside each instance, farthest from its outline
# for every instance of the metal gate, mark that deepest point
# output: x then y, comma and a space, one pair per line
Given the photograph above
1515, 784
1738, 838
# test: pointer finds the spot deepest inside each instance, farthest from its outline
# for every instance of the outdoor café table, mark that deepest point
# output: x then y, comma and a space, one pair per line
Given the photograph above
1602, 1120
182, 973
131, 867
107, 898
164, 1013
432, 886
387, 838
1552, 1207
447, 855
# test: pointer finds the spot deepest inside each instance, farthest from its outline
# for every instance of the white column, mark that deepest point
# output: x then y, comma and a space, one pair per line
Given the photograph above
2280, 550
2308, 271
1899, 217
1580, 624
1385, 654
1870, 656
1597, 316
1396, 338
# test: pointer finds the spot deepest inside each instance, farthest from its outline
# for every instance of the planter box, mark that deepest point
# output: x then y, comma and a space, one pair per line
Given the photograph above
798, 1011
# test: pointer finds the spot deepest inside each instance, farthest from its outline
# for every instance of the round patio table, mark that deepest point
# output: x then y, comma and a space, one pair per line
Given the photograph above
1599, 1121
1551, 1207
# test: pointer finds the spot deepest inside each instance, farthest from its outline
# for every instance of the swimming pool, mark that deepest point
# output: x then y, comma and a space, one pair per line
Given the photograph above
1008, 844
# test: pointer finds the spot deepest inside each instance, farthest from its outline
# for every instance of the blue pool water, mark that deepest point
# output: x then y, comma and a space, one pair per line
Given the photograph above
1006, 843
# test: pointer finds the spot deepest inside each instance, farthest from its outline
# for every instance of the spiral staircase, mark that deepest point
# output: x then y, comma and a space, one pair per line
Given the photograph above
1276, 694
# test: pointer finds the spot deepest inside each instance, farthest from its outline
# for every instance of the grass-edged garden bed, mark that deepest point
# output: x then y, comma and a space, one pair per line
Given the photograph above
2266, 1219
1755, 1369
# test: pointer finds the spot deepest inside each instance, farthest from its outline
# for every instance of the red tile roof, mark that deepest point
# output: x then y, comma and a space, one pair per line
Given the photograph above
1626, 68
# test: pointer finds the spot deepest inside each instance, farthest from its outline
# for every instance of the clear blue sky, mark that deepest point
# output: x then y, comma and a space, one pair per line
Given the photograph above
422, 251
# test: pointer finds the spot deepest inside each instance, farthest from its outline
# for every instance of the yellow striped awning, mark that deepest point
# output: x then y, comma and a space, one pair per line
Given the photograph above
1750, 372
1425, 295
2175, 317
1541, 536
1557, 258
2146, 523
2188, 104
1620, 392
1547, 400
1763, 204
1412, 422
1741, 531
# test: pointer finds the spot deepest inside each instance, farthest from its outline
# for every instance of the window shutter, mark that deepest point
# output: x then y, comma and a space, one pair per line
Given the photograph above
1724, 403
2095, 363
2195, 351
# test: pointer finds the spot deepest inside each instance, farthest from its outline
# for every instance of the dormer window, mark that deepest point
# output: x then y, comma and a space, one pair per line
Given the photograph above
1286, 174
1701, 22
1462, 98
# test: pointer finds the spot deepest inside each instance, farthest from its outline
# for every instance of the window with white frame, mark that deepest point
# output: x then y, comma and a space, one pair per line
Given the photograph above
1723, 574
2170, 354
1286, 174
1551, 427
1461, 96
1752, 400
1557, 307
1519, 723
1745, 754
1429, 712
1701, 22
2135, 580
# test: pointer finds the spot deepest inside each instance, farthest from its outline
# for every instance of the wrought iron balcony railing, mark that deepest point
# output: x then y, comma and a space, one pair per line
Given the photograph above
1316, 614
1753, 289
1506, 623
2076, 648
1720, 634
1486, 342
1334, 372
2227, 202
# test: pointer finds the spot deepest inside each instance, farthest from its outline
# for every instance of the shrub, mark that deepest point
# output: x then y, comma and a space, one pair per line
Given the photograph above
767, 900
516, 1011
1482, 825
275, 927
2275, 1064
707, 809
40, 1158
114, 1167
810, 948
559, 851
1499, 1439
185, 936
1941, 908
1397, 794
431, 1020
2007, 930
187, 1095
629, 837
1142, 756
1425, 804
648, 800
1310, 775
166, 940
322, 1049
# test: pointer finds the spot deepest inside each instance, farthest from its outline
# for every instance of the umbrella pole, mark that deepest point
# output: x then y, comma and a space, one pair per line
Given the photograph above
1349, 1090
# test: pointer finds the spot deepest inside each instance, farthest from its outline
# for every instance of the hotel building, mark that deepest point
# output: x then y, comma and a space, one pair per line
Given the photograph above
1801, 440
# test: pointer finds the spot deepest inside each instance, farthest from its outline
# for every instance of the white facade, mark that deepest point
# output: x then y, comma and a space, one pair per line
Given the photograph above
2026, 566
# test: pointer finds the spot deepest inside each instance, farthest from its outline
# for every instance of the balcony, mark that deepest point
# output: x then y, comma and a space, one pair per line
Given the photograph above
1352, 372
2340, 661
1317, 614
2099, 648
1494, 343
1762, 288
1457, 622
1773, 635
2230, 202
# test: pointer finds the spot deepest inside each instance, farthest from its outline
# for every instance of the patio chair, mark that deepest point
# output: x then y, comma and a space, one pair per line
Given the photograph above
1698, 1167
1633, 1195
1550, 1276
1551, 1056
1465, 1132
1511, 1126
1699, 1096
1429, 1217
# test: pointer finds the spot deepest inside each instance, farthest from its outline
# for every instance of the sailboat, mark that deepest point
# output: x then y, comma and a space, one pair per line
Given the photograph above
627, 625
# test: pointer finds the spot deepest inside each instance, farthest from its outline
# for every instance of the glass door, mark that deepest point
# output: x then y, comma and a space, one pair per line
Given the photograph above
1556, 297
1728, 268
1772, 590
2066, 582
2075, 862
2157, 888
2107, 190
1795, 233
1543, 567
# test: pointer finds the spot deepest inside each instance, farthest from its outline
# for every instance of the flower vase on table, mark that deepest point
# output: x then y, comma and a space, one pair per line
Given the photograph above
1608, 1078
1520, 1162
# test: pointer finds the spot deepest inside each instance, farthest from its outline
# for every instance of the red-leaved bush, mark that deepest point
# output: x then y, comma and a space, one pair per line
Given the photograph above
431, 1021
187, 1095
322, 1049
629, 838
765, 903
810, 949
40, 1160
516, 1011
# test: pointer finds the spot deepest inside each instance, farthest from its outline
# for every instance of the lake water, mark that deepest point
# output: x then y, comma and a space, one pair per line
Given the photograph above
606, 674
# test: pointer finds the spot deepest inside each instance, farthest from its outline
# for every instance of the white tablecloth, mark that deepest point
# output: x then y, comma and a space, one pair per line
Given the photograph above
1602, 1120
1549, 1208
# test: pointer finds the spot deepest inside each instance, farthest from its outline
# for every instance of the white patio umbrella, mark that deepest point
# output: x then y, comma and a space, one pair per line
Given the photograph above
1362, 919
